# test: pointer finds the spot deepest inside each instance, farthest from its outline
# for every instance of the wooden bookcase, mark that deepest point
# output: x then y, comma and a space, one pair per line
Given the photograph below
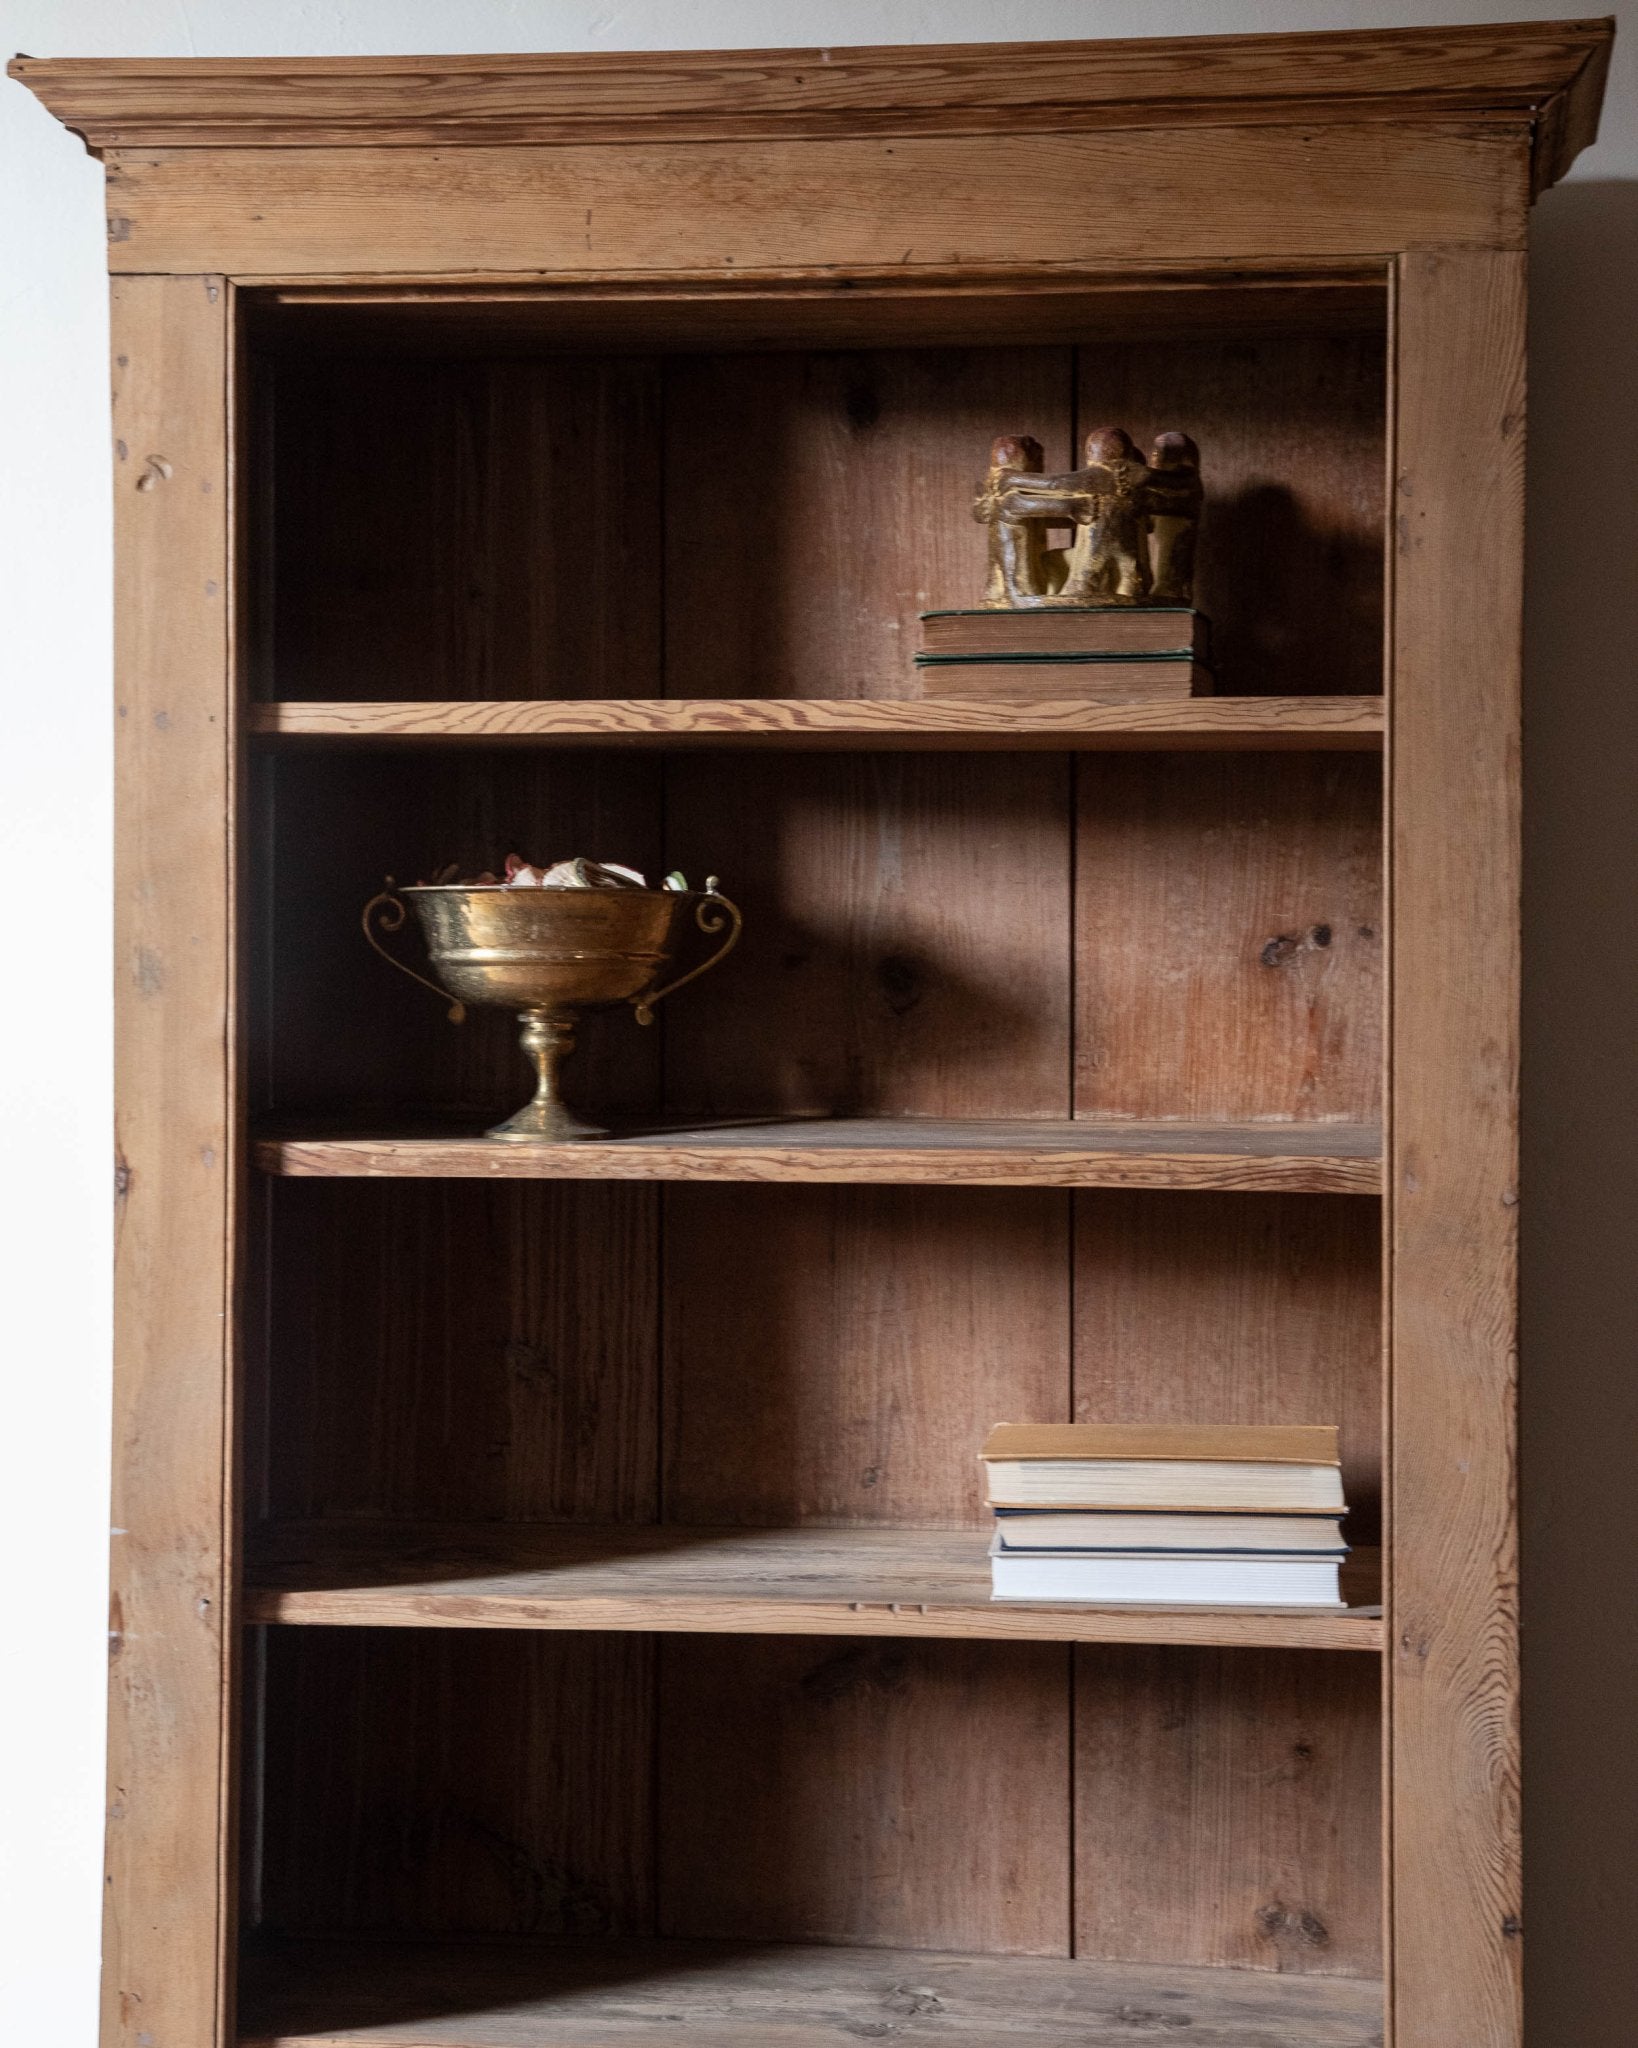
549, 1596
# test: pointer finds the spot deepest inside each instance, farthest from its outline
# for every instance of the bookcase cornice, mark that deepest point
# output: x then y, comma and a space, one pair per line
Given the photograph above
1546, 75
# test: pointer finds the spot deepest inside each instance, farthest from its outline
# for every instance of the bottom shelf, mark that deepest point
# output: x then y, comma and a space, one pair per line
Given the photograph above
728, 1995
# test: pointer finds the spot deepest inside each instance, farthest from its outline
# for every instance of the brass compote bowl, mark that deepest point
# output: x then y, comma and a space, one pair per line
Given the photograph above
548, 954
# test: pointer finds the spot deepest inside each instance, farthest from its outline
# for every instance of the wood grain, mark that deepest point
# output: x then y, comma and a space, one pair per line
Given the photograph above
1228, 1809
1203, 194
168, 1910
455, 1782
1229, 938
866, 309
1216, 1309
1514, 70
1292, 433
906, 920
906, 916
443, 1348
465, 530
1453, 1182
734, 1995
882, 1579
1318, 1158
835, 459
848, 1373
865, 1792
864, 719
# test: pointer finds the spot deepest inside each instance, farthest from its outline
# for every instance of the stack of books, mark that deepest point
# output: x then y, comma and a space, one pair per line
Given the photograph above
1118, 653
1204, 1516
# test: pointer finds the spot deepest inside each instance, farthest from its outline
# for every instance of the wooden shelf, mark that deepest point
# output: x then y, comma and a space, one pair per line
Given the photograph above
837, 723
879, 1581
327, 1994
1315, 1158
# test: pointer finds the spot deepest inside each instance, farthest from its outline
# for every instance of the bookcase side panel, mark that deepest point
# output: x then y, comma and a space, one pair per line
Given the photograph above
1454, 740
168, 1913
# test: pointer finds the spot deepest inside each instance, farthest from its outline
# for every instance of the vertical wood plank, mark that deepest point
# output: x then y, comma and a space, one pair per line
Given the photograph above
1291, 433
167, 1906
838, 1354
816, 503
1228, 1308
1228, 913
466, 529
1228, 1809
1454, 822
450, 1350
906, 927
881, 1793
450, 1781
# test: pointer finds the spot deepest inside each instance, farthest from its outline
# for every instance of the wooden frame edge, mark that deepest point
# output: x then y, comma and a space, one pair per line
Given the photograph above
1500, 70
168, 1891
1452, 1580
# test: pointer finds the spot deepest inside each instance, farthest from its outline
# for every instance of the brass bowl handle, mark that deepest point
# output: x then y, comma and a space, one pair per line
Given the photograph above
711, 913
393, 913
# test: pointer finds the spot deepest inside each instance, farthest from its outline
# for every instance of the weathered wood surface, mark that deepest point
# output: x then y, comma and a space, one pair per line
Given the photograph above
1317, 1158
1253, 1782
472, 529
1202, 194
456, 1782
855, 721
168, 1910
681, 312
884, 1580
1216, 1309
463, 1350
1514, 72
789, 559
1453, 1177
906, 921
737, 1995
1229, 938
865, 1792
837, 1374
1293, 434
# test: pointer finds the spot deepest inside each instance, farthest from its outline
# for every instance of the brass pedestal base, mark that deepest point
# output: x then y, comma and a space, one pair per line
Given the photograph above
547, 1037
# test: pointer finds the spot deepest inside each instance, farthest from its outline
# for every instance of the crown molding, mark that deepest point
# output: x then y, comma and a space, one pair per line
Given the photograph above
1549, 75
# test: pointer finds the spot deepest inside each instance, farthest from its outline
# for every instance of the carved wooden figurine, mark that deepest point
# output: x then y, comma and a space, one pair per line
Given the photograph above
1109, 563
1017, 571
1134, 523
1174, 495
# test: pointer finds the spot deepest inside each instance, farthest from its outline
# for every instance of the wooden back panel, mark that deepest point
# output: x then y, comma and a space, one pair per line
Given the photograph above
771, 524
999, 935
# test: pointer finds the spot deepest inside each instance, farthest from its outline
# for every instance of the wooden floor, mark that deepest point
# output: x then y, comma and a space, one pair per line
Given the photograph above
1314, 1158
845, 723
710, 1995
808, 1581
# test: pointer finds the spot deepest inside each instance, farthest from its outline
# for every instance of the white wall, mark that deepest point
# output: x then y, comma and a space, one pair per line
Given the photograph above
1582, 1396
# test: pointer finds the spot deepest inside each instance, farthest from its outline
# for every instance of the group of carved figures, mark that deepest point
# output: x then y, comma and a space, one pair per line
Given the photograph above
1134, 523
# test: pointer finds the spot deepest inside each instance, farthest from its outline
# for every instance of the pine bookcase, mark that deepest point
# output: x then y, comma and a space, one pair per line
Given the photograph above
549, 1596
